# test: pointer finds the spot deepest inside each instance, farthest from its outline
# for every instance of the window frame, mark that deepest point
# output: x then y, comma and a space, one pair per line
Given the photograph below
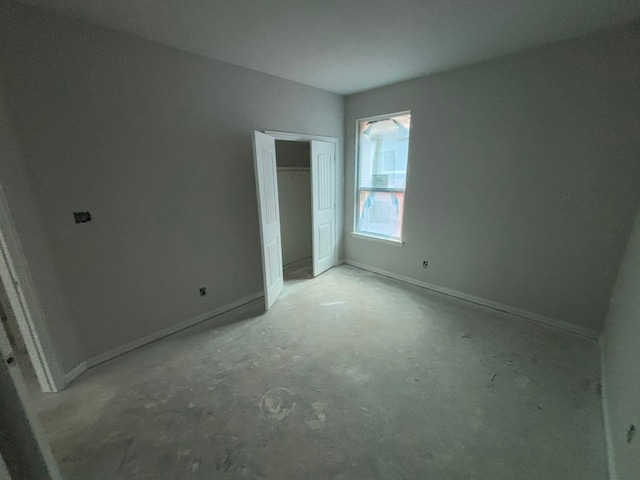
367, 235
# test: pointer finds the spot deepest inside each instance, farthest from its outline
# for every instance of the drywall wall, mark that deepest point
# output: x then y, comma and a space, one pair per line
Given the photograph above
293, 154
294, 195
156, 144
32, 256
621, 365
523, 176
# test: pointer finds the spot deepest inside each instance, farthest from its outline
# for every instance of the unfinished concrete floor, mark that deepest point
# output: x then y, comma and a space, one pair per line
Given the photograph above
350, 376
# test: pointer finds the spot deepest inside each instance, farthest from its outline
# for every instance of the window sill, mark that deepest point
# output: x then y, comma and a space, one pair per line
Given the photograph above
390, 241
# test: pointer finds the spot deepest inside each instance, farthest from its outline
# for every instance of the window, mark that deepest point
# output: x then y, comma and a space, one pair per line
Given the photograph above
383, 147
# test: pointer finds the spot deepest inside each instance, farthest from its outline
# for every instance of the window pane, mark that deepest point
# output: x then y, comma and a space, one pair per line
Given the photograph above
383, 147
380, 213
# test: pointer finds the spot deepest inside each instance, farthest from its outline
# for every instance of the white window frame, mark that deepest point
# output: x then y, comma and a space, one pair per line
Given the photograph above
371, 236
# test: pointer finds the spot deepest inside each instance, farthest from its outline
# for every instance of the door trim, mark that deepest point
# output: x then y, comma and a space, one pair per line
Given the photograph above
299, 137
15, 278
22, 420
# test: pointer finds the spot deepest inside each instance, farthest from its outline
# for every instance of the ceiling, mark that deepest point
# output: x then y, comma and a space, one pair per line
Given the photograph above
347, 46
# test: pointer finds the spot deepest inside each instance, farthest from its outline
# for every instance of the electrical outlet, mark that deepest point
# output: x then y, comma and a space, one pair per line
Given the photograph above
203, 291
425, 263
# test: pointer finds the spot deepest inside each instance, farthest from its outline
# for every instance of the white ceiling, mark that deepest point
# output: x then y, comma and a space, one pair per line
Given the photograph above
346, 46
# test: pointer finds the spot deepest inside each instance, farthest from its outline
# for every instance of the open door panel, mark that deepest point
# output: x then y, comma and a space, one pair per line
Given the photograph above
264, 155
323, 206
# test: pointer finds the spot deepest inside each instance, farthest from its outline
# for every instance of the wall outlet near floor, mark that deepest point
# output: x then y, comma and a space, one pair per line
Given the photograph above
425, 263
203, 291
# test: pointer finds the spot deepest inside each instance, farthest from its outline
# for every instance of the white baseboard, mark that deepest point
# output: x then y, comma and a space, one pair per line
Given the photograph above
127, 347
75, 373
608, 427
541, 319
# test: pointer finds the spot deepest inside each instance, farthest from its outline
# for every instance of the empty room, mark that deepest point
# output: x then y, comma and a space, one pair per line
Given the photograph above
319, 240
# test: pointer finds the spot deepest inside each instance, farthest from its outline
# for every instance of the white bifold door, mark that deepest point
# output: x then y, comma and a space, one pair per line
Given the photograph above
323, 206
264, 154
323, 211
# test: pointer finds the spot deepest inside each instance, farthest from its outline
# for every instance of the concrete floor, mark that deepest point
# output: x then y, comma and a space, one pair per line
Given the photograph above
350, 376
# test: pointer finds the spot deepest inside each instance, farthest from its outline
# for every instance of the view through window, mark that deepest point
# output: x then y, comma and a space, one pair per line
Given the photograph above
383, 147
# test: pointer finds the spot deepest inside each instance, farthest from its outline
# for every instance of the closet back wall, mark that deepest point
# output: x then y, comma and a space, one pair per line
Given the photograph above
294, 194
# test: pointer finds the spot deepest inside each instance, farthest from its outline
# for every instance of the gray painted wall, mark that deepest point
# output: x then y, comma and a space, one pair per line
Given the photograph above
294, 195
621, 363
523, 175
156, 144
293, 154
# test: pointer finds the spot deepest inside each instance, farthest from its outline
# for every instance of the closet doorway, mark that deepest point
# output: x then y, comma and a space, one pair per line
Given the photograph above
293, 161
321, 158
